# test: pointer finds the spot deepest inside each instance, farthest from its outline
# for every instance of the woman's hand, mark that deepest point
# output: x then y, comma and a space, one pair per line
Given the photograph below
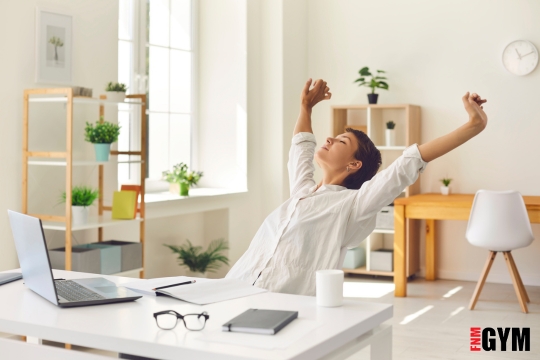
319, 91
309, 98
473, 106
446, 143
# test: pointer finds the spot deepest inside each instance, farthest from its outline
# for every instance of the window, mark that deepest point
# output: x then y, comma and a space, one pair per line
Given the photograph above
156, 57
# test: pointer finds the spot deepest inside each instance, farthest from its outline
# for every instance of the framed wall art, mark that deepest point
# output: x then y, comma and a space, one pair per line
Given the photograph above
53, 47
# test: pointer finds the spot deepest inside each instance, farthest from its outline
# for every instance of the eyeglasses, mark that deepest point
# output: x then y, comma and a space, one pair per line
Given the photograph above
168, 319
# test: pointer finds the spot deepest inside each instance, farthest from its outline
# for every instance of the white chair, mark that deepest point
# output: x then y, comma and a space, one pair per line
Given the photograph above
499, 223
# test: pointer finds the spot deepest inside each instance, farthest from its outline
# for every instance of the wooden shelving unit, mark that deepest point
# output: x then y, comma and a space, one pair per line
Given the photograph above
372, 120
65, 159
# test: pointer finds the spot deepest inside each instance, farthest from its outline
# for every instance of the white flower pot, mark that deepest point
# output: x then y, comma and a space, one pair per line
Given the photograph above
79, 215
116, 96
390, 137
445, 190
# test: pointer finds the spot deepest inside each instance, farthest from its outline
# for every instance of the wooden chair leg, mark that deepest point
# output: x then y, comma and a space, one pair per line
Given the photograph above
482, 280
520, 282
520, 296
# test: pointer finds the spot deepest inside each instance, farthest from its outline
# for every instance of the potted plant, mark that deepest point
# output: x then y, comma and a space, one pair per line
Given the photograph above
81, 198
180, 179
390, 133
116, 91
57, 43
445, 189
374, 83
102, 135
200, 262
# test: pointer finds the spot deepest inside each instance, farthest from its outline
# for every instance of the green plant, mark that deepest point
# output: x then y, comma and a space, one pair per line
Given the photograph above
390, 125
114, 86
201, 261
56, 42
180, 174
375, 81
102, 132
82, 196
446, 181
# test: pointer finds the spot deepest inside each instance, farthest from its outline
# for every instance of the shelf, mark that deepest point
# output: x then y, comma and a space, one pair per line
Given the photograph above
363, 271
83, 100
395, 148
80, 162
384, 231
93, 223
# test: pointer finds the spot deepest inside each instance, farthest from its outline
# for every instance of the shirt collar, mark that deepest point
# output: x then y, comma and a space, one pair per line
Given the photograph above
327, 187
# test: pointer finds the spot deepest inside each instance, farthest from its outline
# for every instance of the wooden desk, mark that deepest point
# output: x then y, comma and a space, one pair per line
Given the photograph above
431, 207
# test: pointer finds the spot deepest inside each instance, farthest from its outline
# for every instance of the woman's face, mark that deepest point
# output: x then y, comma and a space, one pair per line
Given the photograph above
336, 153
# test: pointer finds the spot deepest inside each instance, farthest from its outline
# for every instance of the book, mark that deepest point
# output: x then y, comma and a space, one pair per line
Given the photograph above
137, 189
146, 286
211, 291
124, 204
258, 321
204, 291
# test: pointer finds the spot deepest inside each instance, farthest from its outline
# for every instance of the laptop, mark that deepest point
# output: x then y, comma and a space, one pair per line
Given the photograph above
37, 274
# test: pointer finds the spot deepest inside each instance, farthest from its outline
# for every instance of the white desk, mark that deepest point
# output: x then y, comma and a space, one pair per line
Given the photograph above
130, 327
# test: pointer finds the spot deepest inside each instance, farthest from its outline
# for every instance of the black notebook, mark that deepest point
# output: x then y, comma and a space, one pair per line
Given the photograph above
260, 321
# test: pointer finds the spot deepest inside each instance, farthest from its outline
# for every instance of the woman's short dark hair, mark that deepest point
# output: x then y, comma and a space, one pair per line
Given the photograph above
370, 157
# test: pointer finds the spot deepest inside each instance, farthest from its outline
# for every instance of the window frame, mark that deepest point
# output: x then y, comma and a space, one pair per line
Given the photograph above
140, 82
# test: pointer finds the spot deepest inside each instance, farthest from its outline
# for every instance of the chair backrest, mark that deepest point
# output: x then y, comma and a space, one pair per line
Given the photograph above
499, 221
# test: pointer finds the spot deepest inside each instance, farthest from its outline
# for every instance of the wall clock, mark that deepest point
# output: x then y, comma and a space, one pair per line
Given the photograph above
520, 57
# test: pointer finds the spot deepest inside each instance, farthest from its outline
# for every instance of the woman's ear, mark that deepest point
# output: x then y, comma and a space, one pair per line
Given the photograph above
355, 165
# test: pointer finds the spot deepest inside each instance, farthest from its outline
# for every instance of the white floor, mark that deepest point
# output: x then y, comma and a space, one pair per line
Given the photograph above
433, 322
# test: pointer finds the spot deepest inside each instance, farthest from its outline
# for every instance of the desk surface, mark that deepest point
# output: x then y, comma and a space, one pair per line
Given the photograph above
130, 327
434, 199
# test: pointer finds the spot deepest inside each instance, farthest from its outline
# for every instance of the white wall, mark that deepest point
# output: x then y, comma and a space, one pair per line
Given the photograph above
435, 51
94, 62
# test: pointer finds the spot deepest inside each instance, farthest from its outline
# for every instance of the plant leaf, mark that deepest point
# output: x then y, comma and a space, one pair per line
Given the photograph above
364, 71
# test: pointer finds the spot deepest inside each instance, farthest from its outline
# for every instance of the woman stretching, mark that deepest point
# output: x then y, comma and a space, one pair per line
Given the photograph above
314, 227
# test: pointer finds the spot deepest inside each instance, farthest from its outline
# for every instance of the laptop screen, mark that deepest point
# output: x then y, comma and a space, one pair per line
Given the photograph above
33, 255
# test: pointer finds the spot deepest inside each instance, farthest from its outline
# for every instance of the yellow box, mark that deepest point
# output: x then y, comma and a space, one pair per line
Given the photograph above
124, 203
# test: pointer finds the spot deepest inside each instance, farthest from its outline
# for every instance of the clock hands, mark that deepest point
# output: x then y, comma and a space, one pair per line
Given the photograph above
518, 53
527, 54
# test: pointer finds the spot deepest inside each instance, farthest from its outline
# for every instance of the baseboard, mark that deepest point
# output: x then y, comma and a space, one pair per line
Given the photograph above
493, 277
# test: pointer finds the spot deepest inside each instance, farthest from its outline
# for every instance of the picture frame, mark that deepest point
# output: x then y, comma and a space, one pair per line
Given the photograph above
53, 47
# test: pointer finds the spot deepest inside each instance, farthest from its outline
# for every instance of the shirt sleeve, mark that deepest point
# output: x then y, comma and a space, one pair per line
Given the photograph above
300, 165
386, 185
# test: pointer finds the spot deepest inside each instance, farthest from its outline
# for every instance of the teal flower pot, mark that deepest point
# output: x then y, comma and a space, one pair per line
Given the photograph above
102, 151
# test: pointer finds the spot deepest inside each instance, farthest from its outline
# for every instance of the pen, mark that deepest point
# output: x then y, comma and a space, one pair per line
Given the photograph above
168, 286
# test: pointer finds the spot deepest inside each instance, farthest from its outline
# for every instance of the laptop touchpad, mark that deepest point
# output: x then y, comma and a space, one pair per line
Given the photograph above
107, 289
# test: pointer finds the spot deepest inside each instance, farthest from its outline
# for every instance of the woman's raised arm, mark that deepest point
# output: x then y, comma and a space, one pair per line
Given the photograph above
477, 122
308, 99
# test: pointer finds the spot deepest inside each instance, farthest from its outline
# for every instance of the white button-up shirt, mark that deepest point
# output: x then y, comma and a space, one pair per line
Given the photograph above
312, 230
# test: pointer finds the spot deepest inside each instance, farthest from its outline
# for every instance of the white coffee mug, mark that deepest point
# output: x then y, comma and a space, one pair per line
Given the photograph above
329, 287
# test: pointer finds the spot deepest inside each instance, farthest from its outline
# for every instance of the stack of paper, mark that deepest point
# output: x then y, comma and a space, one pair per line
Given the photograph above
204, 291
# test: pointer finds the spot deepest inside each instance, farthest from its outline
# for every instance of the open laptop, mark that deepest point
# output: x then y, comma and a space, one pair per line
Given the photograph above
37, 274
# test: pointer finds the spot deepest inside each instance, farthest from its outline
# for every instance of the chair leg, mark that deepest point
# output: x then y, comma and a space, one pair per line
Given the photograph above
482, 279
520, 296
520, 282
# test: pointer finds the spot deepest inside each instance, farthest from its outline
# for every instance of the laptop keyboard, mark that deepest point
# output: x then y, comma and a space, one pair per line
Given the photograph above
72, 291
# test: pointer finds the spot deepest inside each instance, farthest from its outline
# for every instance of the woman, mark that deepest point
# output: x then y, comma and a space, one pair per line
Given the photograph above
314, 227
